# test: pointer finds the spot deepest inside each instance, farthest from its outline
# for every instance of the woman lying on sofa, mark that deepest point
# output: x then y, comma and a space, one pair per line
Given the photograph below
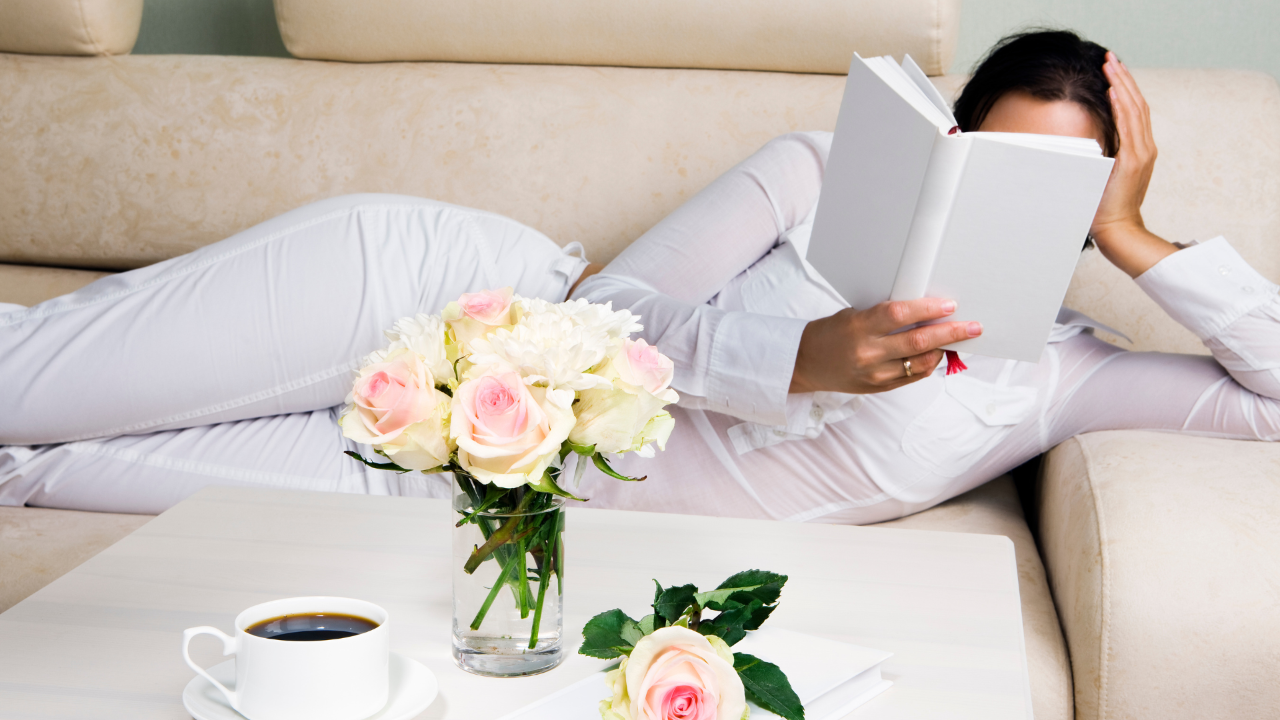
229, 365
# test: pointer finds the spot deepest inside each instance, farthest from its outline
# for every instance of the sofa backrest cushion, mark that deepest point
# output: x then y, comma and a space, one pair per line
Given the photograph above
69, 27
813, 36
120, 162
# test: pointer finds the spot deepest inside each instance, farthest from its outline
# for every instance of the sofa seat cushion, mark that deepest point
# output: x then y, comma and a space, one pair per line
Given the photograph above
993, 509
31, 284
1163, 553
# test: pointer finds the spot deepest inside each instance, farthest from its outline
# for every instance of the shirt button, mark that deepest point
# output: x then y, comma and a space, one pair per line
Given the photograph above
1224, 269
815, 413
1247, 289
780, 433
991, 408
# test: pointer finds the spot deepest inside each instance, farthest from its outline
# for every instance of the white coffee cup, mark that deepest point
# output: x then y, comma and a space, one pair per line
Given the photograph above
340, 679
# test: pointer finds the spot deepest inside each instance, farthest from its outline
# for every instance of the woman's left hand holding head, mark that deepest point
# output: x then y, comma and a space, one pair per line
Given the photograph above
1118, 228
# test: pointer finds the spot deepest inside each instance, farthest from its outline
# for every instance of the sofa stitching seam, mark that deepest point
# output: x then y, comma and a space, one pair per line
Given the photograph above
1104, 629
88, 34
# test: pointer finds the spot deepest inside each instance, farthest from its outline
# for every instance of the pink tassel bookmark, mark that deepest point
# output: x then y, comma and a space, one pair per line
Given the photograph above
954, 363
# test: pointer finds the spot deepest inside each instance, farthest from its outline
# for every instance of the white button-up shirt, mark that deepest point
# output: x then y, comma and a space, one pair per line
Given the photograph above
723, 288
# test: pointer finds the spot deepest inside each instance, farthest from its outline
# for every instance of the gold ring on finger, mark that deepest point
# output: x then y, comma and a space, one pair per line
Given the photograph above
906, 365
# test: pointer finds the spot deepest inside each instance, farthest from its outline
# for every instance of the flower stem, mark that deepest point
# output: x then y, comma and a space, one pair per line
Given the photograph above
498, 538
493, 594
522, 580
547, 568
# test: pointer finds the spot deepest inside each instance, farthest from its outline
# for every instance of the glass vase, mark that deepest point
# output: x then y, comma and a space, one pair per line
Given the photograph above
507, 579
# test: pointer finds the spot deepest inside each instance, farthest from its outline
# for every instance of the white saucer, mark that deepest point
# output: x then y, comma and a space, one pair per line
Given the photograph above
413, 689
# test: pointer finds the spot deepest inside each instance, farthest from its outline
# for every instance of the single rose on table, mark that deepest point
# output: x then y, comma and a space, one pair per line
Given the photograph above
676, 662
676, 674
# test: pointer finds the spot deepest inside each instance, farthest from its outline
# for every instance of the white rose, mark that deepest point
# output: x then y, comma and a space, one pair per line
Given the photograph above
628, 415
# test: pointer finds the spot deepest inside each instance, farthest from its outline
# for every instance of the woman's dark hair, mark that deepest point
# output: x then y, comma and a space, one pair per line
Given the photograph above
1048, 65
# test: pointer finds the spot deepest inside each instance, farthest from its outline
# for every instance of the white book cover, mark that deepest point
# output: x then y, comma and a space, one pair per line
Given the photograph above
910, 209
831, 678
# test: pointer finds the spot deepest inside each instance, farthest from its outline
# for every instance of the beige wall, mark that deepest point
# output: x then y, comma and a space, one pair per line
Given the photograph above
1145, 33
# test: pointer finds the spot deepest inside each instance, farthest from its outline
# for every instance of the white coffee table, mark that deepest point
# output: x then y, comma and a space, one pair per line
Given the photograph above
103, 641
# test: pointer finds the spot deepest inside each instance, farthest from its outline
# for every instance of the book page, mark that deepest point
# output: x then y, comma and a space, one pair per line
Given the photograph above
921, 80
1011, 244
933, 210
1057, 143
873, 177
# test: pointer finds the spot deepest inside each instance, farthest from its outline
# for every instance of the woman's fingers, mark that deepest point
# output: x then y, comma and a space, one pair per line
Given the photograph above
893, 374
842, 353
887, 317
1131, 108
924, 339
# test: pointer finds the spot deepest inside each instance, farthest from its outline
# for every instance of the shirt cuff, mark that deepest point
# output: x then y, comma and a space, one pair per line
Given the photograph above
1206, 287
752, 360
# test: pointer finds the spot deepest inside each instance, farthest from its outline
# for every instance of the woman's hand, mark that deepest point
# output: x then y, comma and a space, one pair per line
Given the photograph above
858, 352
1117, 228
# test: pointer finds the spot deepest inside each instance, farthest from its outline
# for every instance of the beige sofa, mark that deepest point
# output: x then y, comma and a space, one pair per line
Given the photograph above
590, 121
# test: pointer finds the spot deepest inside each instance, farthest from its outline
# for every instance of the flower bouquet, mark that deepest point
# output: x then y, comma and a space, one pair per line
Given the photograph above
507, 393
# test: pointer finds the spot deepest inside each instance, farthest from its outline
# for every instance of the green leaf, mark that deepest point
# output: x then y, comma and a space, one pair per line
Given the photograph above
649, 623
730, 633
768, 686
581, 449
603, 635
758, 616
377, 466
547, 484
631, 631
603, 464
751, 585
674, 601
492, 494
658, 592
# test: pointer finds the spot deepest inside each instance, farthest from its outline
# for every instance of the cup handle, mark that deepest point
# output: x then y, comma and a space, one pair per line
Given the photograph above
228, 648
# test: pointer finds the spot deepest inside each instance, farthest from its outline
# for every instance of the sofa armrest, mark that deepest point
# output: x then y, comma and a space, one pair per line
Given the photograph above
1163, 554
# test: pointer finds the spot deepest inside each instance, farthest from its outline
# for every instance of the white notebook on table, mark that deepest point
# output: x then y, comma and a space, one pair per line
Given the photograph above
831, 678
994, 221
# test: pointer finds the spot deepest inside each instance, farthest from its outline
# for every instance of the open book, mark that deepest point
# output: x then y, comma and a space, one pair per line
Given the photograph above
910, 208
831, 678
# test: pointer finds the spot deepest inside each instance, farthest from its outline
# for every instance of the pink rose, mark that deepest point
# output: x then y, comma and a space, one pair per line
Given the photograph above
507, 432
491, 307
390, 396
396, 407
476, 314
640, 364
675, 673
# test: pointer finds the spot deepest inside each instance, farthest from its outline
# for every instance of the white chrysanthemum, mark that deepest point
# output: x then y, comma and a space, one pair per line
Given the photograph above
424, 335
554, 345
595, 317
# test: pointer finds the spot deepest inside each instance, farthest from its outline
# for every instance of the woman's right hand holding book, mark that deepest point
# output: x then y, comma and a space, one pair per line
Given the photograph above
861, 351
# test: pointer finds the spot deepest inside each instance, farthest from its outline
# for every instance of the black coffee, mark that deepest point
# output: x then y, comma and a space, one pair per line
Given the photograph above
311, 626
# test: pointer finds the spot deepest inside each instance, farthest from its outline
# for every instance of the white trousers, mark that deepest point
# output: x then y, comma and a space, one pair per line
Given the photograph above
226, 365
